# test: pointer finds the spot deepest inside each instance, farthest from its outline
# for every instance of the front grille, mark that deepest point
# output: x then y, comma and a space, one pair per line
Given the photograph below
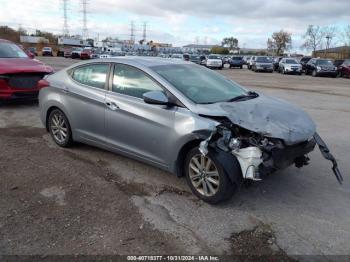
24, 81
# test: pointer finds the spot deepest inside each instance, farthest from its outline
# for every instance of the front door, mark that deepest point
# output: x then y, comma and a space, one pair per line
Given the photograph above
133, 126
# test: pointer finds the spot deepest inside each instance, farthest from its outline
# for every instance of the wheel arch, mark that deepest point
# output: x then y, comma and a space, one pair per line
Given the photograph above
181, 157
48, 112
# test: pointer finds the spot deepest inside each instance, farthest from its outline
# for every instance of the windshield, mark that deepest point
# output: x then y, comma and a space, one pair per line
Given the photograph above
263, 59
237, 58
195, 57
199, 84
291, 61
324, 62
9, 50
214, 57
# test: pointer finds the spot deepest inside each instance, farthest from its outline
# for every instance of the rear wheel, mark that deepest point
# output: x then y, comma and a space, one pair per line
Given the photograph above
207, 178
60, 129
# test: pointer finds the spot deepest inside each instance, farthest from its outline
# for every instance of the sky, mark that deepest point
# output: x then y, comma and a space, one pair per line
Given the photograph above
182, 22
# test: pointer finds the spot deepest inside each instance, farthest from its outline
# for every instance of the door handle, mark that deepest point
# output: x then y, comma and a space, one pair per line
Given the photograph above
113, 106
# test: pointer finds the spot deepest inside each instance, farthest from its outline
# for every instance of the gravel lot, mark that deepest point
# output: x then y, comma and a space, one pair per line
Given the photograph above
84, 200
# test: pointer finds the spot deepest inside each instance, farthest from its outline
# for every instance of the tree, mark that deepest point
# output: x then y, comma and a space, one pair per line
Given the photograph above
220, 50
9, 34
50, 36
230, 42
279, 42
313, 37
346, 35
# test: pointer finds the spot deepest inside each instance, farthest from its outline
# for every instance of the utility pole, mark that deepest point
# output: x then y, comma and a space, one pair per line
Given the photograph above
84, 11
328, 43
132, 32
65, 18
144, 35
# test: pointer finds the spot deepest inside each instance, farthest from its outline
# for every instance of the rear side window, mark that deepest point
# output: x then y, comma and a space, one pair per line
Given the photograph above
128, 80
91, 75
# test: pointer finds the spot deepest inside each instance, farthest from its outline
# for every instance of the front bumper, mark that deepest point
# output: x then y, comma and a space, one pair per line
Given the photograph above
214, 65
293, 70
264, 69
284, 157
326, 73
19, 95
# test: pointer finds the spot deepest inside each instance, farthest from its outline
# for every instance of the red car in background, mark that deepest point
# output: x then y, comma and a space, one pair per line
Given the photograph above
20, 75
344, 68
86, 53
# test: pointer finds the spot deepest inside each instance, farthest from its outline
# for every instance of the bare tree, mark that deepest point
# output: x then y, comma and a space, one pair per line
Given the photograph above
346, 35
279, 42
313, 37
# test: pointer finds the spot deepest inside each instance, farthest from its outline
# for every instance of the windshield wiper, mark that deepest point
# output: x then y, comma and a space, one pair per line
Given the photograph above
249, 95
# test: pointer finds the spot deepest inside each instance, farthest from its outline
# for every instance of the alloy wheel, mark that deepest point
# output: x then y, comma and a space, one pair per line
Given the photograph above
204, 175
59, 127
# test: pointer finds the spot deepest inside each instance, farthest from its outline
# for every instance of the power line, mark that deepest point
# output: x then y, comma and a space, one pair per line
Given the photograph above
132, 32
144, 35
85, 29
65, 18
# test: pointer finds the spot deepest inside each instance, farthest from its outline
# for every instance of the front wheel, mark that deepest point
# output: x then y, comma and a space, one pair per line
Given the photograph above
60, 129
314, 73
207, 178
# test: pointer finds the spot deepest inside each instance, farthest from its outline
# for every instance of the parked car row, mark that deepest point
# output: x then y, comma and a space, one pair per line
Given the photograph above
307, 65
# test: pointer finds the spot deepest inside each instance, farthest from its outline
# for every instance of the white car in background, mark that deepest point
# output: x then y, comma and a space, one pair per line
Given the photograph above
177, 56
251, 61
290, 66
214, 61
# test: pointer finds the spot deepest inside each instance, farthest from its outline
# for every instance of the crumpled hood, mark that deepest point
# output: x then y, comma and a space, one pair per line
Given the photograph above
22, 65
265, 115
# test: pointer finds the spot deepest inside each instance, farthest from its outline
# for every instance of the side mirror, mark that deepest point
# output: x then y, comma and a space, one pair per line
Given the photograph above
155, 98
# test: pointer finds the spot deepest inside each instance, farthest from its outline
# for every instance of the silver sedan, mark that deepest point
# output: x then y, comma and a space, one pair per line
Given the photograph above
180, 117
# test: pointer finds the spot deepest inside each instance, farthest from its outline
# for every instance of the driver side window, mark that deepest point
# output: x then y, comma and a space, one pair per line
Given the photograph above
128, 80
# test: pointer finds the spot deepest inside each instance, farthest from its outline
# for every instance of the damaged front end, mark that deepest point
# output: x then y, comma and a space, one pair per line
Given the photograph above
259, 155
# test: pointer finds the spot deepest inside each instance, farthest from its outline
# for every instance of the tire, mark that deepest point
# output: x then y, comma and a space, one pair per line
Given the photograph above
241, 67
283, 71
314, 73
217, 193
60, 129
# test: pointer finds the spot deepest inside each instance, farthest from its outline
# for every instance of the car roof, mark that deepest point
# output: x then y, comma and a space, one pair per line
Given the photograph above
137, 60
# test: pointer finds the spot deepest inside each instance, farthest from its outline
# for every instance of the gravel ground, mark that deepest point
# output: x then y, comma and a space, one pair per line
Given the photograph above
88, 201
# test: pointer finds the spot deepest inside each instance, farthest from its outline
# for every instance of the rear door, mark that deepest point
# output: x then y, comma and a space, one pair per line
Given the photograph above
86, 93
133, 126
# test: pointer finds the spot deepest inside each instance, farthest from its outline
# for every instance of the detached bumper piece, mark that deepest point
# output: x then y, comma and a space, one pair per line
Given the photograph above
327, 155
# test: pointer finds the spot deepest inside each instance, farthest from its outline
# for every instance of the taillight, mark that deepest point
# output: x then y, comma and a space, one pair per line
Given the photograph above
43, 83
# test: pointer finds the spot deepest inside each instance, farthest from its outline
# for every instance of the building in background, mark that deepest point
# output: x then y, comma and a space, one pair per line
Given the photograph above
68, 41
26, 39
341, 52
193, 48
